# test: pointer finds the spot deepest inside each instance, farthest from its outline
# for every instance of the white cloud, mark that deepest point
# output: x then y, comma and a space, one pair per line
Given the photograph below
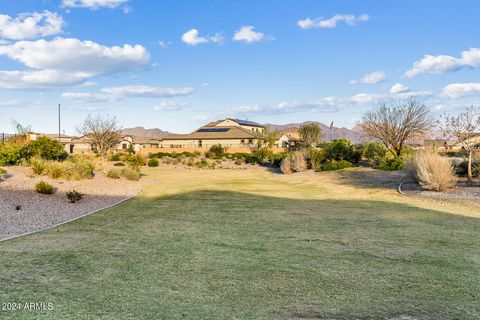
170, 106
88, 97
164, 44
458, 90
444, 63
372, 78
332, 22
363, 98
147, 91
399, 88
192, 38
67, 61
93, 4
248, 34
30, 25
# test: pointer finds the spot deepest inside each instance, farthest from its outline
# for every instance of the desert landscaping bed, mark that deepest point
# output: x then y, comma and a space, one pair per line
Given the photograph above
462, 190
39, 211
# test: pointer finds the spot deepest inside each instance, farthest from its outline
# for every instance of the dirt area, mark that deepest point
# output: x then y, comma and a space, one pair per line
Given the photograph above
40, 211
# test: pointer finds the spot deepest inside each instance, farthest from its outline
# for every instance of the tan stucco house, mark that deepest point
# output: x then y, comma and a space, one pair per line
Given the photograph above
137, 143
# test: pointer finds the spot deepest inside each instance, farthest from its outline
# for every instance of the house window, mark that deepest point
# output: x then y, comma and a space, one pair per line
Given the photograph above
242, 141
250, 140
200, 143
124, 146
71, 148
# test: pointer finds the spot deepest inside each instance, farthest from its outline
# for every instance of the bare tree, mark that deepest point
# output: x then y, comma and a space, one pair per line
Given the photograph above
20, 129
395, 124
311, 134
465, 128
102, 130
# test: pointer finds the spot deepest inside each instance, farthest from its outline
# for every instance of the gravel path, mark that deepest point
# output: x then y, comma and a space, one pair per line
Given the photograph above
43, 211
460, 191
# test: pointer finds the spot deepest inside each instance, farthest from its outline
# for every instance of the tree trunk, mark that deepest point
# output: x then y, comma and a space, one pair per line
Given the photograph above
469, 166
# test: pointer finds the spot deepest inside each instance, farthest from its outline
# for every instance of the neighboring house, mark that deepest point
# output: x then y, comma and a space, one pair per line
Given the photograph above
230, 133
71, 144
287, 138
474, 140
441, 144
137, 143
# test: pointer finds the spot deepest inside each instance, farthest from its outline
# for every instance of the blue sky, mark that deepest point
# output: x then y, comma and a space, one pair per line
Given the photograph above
178, 64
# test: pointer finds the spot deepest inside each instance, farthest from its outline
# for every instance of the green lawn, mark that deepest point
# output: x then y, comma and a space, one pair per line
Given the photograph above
252, 244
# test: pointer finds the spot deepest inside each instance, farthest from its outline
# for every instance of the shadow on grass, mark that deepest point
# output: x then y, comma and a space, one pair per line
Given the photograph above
372, 178
213, 254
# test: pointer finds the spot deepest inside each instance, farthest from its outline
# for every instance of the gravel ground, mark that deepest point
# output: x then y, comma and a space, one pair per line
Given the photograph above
461, 191
40, 211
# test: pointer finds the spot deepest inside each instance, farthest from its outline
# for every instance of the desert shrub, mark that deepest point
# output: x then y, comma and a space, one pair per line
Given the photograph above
119, 164
45, 148
11, 153
216, 151
191, 162
135, 161
317, 157
277, 158
461, 168
175, 162
44, 188
74, 196
391, 164
130, 174
262, 156
54, 169
115, 157
38, 165
202, 164
432, 171
113, 174
331, 165
340, 149
298, 162
196, 153
3, 171
152, 163
286, 166
374, 152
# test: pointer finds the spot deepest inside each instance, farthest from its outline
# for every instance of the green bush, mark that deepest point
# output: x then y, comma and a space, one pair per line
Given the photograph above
45, 148
74, 168
374, 153
262, 156
38, 165
340, 149
216, 151
11, 153
135, 161
152, 163
74, 196
335, 165
130, 174
44, 188
3, 171
391, 164
115, 157
461, 168
113, 174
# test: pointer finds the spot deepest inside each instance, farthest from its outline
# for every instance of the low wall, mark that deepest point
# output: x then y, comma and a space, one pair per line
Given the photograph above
147, 151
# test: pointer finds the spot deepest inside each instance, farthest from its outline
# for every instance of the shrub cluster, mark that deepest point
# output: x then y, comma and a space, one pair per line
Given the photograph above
3, 171
74, 168
294, 162
14, 152
44, 188
128, 173
152, 163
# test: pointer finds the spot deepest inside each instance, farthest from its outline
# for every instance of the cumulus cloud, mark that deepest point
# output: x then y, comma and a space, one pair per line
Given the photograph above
444, 63
459, 90
30, 25
67, 61
170, 106
399, 88
248, 34
348, 19
93, 4
192, 38
372, 78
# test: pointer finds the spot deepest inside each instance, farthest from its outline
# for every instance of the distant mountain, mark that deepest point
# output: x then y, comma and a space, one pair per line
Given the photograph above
354, 135
142, 132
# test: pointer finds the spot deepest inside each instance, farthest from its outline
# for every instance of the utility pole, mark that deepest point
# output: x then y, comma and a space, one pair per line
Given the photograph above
59, 122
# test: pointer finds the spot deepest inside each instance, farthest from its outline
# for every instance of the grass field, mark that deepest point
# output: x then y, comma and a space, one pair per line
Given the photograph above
252, 244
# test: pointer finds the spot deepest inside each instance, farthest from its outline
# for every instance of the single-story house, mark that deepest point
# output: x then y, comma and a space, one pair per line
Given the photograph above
137, 143
230, 133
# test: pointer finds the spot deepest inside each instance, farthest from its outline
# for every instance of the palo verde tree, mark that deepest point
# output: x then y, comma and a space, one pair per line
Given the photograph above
464, 127
102, 130
311, 134
394, 124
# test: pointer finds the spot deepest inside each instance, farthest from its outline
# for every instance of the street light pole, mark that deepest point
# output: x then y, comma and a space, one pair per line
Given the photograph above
59, 122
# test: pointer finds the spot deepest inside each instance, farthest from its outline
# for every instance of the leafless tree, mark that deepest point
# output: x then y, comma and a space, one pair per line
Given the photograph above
465, 127
102, 130
394, 124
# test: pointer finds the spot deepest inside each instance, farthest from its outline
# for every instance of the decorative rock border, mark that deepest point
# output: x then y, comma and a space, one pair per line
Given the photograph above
70, 220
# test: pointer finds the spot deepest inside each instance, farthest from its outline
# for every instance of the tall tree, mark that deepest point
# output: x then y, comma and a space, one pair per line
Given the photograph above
311, 134
266, 138
395, 124
465, 127
102, 130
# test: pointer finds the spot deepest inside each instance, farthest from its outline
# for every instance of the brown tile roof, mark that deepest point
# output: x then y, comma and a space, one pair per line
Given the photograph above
229, 133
